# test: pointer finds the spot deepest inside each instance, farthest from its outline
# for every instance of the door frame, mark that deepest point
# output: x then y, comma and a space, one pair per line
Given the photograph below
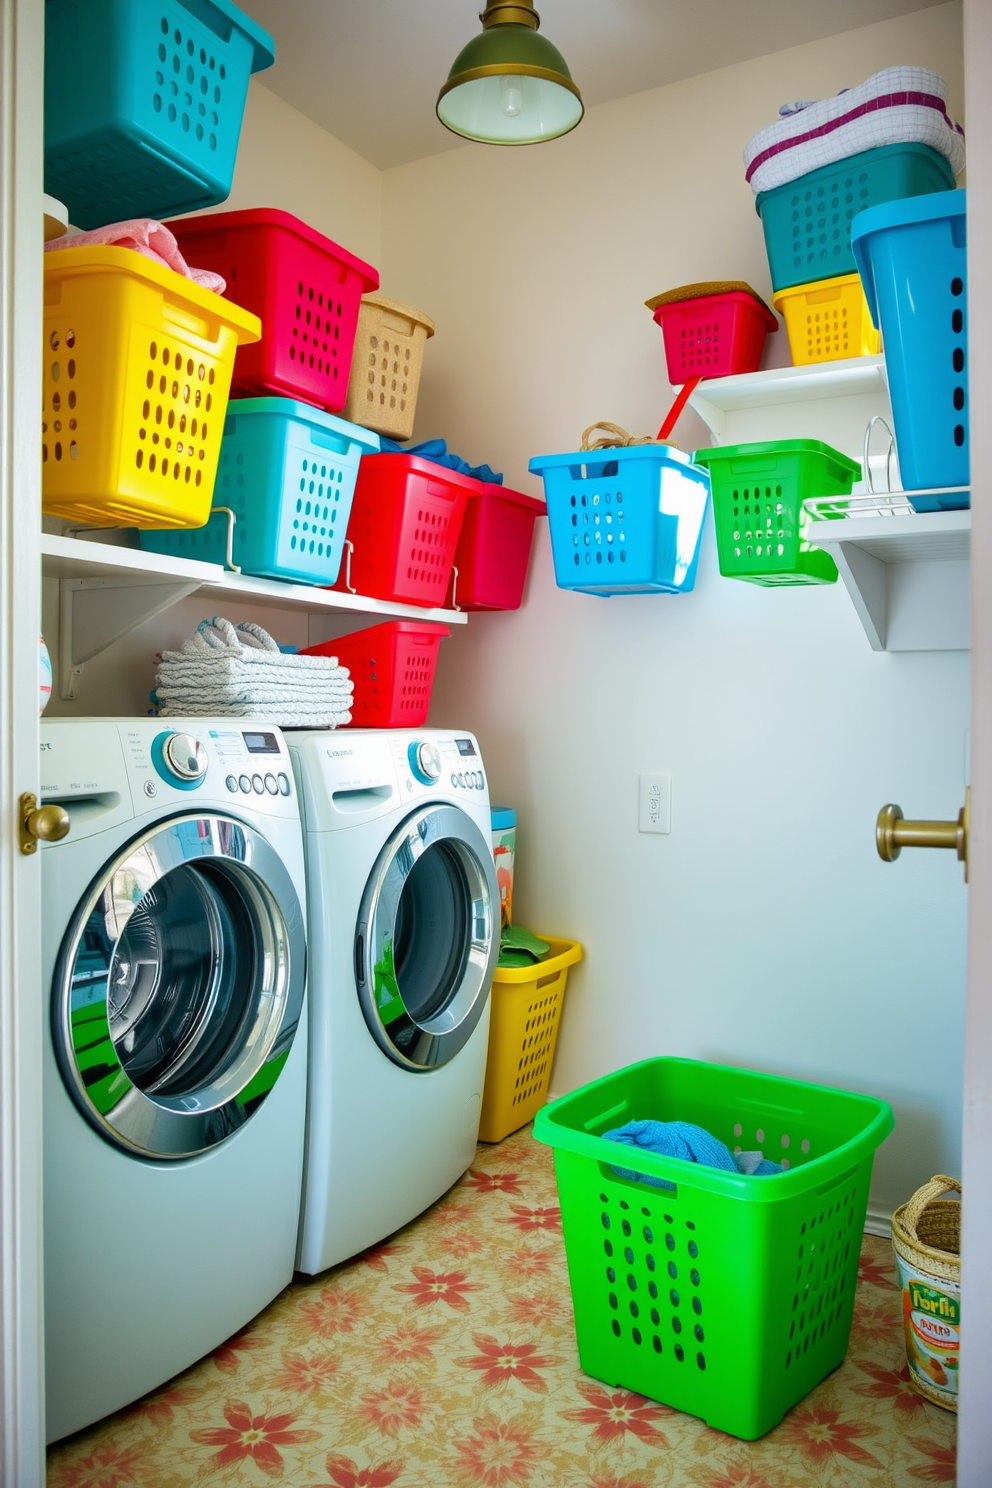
975, 1424
22, 54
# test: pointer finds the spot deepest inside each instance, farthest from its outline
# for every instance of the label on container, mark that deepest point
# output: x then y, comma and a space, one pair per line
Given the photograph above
931, 1311
504, 852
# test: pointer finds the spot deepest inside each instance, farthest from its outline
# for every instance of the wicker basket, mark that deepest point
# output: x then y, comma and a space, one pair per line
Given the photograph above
386, 366
926, 1239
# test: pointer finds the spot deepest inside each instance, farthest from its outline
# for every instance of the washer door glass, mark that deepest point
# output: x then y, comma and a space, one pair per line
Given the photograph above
427, 938
179, 987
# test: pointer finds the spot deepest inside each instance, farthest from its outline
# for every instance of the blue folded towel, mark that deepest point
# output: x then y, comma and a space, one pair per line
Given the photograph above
690, 1143
436, 450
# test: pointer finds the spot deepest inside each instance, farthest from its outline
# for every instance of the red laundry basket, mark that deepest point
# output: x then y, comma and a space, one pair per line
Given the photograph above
305, 289
406, 518
494, 549
716, 335
392, 667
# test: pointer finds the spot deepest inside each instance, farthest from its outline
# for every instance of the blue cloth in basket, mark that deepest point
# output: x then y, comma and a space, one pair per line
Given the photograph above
690, 1143
436, 450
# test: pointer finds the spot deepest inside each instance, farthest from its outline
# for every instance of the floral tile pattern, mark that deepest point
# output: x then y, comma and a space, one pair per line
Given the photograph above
445, 1358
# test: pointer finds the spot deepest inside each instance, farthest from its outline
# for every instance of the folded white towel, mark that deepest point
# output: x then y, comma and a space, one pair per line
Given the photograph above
899, 105
281, 717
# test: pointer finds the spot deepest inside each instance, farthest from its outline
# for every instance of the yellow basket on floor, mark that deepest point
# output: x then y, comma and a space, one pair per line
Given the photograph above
523, 1028
828, 320
137, 372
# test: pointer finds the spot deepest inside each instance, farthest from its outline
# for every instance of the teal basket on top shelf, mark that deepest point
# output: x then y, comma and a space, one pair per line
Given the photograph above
807, 222
143, 104
626, 520
287, 472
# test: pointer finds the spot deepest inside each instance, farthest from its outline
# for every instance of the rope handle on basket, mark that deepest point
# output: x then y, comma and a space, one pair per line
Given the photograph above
617, 438
941, 1184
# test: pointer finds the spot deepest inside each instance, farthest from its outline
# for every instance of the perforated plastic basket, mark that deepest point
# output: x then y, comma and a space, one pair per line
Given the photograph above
714, 335
625, 521
392, 668
523, 1029
405, 522
827, 320
807, 222
306, 290
725, 1296
143, 104
913, 260
137, 367
386, 366
288, 473
758, 495
494, 549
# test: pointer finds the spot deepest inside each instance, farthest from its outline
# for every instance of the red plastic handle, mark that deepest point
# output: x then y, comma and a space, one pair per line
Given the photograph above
684, 394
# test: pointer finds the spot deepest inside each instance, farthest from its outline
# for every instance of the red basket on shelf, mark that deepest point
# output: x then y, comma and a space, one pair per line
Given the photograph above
712, 335
392, 667
406, 518
306, 290
494, 549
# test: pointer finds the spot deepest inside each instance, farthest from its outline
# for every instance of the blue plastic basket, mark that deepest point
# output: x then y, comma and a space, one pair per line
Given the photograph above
912, 257
625, 521
143, 103
288, 473
807, 223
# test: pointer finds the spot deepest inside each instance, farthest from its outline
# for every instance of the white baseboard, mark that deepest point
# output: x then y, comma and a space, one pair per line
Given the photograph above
878, 1222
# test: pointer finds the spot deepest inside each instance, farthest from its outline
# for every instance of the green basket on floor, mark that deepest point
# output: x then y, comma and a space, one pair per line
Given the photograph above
727, 1297
758, 494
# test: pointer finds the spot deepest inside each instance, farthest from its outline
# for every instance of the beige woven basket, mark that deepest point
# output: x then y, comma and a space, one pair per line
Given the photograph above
386, 366
926, 1236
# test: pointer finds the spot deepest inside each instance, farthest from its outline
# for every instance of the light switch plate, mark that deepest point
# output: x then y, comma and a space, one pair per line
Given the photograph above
654, 805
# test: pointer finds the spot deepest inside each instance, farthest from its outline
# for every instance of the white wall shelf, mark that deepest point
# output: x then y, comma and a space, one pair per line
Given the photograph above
106, 590
908, 575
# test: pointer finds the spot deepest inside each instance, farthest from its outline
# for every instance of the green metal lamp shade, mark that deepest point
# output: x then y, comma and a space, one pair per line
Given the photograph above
509, 86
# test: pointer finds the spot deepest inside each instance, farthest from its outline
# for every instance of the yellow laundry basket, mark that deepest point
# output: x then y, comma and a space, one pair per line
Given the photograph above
386, 366
523, 1028
828, 320
137, 371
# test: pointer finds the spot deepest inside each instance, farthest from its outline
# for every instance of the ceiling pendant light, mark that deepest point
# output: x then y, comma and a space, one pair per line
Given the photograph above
509, 86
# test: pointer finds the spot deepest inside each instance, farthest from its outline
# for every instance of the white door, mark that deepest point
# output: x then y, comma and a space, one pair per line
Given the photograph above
21, 1365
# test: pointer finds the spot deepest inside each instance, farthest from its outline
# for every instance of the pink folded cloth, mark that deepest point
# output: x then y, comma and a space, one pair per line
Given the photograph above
149, 238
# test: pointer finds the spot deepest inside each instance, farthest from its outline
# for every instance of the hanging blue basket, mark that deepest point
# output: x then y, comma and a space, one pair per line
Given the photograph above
625, 521
143, 104
288, 472
913, 261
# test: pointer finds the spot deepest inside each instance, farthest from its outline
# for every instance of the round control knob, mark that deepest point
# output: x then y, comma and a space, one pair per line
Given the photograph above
426, 762
184, 757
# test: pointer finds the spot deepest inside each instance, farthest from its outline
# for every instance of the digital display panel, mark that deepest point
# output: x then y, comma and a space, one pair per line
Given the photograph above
261, 743
465, 746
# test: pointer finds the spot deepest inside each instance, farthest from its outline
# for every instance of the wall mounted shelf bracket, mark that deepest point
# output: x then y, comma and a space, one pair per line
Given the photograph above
94, 613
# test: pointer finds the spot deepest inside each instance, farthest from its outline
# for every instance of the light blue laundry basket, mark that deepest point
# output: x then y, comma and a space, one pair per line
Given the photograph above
143, 104
287, 471
912, 258
625, 521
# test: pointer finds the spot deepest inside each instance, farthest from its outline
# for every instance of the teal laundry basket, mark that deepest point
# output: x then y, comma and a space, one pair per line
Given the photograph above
287, 472
143, 104
913, 261
807, 222
725, 1296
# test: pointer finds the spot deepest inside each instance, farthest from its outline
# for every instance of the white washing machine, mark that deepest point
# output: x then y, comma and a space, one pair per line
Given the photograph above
404, 917
175, 1067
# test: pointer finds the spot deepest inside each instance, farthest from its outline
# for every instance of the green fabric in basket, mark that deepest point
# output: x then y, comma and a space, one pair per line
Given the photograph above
725, 1298
519, 947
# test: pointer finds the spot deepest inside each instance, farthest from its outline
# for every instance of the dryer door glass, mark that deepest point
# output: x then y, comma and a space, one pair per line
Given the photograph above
427, 938
179, 987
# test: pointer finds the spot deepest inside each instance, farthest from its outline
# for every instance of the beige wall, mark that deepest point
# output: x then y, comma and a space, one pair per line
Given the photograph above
764, 930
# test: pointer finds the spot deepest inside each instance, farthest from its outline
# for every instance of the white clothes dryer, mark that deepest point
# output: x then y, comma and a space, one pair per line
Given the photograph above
404, 917
175, 1066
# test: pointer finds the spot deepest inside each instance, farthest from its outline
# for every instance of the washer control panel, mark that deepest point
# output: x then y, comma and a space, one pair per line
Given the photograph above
440, 761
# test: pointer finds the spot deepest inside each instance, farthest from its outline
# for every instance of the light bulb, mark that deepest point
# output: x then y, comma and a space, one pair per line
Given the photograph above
511, 96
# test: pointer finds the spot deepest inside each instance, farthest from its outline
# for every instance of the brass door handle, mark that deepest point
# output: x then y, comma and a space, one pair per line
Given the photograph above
893, 833
40, 823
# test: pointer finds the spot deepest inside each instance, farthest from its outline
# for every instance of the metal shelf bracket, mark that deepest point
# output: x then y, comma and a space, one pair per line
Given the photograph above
94, 613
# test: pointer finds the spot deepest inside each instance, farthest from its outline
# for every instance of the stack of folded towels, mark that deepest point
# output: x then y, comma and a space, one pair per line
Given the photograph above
238, 671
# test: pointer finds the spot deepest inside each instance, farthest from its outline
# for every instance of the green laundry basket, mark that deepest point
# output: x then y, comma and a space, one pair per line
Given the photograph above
725, 1296
758, 495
